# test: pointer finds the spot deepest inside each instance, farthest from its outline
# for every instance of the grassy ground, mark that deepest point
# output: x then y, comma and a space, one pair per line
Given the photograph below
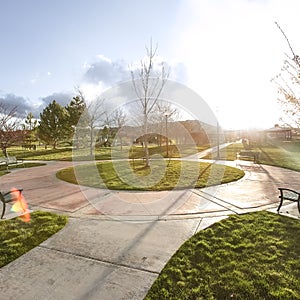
250, 256
103, 153
21, 166
280, 154
4, 171
18, 237
163, 175
63, 153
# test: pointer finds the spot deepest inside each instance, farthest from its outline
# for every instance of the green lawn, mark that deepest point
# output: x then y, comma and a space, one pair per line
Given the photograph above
18, 237
281, 154
163, 175
250, 256
103, 153
63, 153
4, 171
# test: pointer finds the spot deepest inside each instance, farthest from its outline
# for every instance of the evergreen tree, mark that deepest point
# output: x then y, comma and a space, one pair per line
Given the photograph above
75, 109
54, 124
30, 127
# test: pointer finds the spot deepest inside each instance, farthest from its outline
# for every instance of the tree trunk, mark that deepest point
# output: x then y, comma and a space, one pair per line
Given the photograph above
91, 142
121, 142
146, 151
146, 138
4, 151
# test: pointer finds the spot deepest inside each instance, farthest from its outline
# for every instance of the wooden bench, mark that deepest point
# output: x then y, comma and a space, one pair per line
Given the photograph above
290, 195
11, 161
248, 154
3, 161
7, 197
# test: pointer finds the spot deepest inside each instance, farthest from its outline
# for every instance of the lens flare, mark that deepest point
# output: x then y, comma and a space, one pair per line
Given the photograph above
20, 204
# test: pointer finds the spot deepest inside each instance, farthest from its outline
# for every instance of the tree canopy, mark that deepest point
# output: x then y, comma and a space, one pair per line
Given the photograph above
148, 85
288, 85
54, 124
10, 128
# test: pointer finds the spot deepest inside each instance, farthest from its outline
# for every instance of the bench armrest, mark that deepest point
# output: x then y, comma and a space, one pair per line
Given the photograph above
290, 195
7, 197
283, 191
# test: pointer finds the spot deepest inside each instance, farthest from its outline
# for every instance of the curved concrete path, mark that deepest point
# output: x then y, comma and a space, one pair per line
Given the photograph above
116, 243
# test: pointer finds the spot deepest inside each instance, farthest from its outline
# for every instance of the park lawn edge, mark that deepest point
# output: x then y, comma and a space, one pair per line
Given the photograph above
248, 256
25, 165
18, 237
72, 175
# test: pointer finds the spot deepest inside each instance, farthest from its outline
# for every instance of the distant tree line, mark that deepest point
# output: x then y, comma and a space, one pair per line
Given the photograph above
78, 121
83, 125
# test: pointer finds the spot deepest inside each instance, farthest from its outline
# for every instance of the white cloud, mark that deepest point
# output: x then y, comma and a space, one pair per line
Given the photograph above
86, 66
35, 78
22, 105
104, 58
104, 73
92, 91
63, 98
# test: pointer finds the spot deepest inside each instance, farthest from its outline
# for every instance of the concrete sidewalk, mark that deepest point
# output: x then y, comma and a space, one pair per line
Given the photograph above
116, 243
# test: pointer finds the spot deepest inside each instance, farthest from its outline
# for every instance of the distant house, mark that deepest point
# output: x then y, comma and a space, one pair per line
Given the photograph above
279, 133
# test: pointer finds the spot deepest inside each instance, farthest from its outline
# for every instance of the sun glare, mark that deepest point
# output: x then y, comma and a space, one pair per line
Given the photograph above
20, 205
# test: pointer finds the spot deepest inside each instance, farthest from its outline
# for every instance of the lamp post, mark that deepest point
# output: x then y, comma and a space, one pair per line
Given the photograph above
218, 141
167, 140
218, 135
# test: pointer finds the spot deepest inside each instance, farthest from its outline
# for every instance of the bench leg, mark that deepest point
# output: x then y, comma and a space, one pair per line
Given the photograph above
280, 204
281, 200
3, 210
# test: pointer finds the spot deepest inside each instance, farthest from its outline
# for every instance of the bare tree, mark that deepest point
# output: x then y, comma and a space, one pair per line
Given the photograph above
119, 120
10, 128
148, 85
288, 85
166, 113
93, 118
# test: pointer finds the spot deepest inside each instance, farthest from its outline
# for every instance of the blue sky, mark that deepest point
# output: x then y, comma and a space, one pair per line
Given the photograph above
226, 51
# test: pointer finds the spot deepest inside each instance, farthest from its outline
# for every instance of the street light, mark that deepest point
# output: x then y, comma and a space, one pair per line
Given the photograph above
218, 135
218, 141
